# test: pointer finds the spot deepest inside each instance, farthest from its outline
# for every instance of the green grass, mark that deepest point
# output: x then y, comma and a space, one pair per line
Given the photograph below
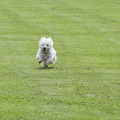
84, 84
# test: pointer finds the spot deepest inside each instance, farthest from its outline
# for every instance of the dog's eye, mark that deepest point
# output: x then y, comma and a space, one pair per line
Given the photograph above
47, 45
42, 44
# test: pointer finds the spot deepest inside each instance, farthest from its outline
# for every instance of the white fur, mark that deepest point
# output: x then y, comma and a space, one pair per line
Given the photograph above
46, 52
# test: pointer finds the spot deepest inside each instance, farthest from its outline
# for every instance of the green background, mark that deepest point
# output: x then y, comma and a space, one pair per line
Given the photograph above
84, 84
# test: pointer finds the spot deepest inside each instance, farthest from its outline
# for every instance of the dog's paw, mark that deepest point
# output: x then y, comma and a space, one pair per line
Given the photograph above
46, 65
39, 61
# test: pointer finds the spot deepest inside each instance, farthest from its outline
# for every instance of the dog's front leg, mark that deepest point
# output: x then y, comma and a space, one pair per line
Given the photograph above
40, 59
46, 63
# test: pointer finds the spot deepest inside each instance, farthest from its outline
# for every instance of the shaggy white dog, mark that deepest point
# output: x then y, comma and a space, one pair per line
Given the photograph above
46, 52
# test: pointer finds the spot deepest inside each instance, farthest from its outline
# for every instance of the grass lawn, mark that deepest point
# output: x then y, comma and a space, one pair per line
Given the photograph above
84, 84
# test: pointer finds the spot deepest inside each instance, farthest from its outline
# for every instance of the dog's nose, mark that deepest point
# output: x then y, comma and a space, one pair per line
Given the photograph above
44, 48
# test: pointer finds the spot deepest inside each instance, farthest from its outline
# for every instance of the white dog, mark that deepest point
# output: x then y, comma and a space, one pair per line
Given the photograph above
46, 52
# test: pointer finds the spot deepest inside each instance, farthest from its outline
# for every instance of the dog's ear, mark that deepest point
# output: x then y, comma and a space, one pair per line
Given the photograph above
51, 41
40, 41
42, 38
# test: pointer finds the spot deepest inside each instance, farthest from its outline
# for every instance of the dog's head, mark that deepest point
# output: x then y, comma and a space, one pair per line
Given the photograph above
45, 44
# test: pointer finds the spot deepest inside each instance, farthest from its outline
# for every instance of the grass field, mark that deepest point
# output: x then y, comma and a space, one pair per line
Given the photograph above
84, 84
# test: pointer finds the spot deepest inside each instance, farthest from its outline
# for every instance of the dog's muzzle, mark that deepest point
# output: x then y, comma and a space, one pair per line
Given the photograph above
44, 48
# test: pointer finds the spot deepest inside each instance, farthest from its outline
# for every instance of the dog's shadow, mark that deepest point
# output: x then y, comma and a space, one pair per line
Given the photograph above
45, 68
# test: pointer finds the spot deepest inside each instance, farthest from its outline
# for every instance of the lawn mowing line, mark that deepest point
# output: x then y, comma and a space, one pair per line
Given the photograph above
17, 19
15, 42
